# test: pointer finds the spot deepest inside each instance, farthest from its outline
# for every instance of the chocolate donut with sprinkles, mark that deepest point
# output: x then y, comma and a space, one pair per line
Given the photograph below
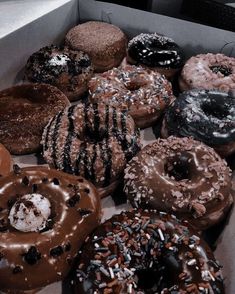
157, 52
206, 115
182, 176
95, 141
146, 252
45, 216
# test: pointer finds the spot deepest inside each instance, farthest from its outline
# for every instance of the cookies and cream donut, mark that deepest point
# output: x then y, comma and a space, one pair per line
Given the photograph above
144, 93
66, 69
24, 112
94, 141
183, 176
45, 215
5, 161
205, 115
103, 42
208, 71
146, 252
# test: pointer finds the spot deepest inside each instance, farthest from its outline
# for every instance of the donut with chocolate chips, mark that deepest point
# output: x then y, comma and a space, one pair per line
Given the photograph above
24, 112
144, 93
183, 176
205, 115
208, 71
146, 252
5, 161
103, 42
92, 140
66, 69
42, 225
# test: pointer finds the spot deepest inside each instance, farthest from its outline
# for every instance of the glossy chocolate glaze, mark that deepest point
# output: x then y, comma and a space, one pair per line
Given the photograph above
155, 50
206, 115
183, 176
34, 259
24, 112
146, 252
5, 161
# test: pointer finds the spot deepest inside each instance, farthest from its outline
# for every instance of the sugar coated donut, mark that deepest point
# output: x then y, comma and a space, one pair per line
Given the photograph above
208, 71
144, 93
66, 69
146, 252
103, 42
5, 161
157, 52
183, 176
206, 115
45, 215
94, 141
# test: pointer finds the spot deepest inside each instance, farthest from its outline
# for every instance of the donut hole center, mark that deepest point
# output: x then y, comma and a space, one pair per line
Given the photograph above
136, 82
224, 70
90, 135
178, 167
216, 110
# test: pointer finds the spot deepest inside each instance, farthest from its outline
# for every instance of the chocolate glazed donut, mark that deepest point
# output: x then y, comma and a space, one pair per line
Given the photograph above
45, 215
94, 141
5, 161
146, 252
208, 116
183, 176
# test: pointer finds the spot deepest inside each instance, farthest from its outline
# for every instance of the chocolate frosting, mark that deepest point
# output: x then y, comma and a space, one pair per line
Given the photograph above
146, 252
35, 259
183, 176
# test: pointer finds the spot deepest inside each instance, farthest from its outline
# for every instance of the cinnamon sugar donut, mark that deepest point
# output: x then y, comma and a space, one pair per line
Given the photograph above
103, 42
144, 93
5, 161
24, 112
66, 69
146, 252
45, 215
208, 71
94, 141
183, 176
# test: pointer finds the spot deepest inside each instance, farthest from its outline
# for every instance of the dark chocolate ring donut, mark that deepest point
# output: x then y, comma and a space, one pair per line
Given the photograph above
146, 252
206, 115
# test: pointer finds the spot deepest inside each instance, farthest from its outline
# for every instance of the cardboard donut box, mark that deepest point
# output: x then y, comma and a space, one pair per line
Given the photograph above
26, 26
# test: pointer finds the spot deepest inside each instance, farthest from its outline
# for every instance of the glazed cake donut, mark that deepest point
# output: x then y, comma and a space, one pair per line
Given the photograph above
24, 112
94, 141
45, 215
5, 161
183, 176
206, 115
146, 252
157, 52
66, 69
208, 71
103, 42
144, 93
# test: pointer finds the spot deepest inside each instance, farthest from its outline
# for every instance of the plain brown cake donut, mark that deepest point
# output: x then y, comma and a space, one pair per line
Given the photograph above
183, 176
94, 141
146, 253
66, 69
143, 92
24, 112
45, 215
103, 42
5, 161
208, 71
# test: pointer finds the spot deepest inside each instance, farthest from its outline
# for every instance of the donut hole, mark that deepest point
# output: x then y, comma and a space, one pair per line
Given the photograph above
179, 167
135, 83
91, 136
214, 109
222, 69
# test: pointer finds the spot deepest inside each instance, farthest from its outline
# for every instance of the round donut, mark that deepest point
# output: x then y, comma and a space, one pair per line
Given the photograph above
146, 252
24, 112
183, 176
66, 69
94, 141
45, 215
208, 71
206, 115
144, 93
103, 42
5, 161
157, 52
